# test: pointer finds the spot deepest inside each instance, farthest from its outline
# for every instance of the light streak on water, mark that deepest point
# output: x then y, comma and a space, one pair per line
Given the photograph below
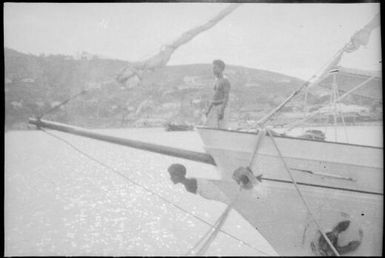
58, 202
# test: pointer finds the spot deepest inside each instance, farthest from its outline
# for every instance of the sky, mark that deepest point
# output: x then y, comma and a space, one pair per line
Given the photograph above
294, 39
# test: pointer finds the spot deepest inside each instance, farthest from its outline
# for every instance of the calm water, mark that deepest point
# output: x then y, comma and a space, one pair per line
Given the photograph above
58, 202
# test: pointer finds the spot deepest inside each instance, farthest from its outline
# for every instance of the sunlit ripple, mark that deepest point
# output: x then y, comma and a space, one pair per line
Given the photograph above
58, 202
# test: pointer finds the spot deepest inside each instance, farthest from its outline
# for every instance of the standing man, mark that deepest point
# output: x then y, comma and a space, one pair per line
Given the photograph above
216, 112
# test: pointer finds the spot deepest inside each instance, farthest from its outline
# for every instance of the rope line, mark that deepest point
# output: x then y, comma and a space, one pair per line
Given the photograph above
307, 84
295, 123
212, 233
301, 196
205, 236
341, 113
62, 103
150, 191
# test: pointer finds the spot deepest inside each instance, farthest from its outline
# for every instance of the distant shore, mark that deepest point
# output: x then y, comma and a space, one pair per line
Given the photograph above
27, 127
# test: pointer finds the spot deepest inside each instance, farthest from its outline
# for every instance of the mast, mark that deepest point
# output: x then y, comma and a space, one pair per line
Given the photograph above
338, 99
360, 38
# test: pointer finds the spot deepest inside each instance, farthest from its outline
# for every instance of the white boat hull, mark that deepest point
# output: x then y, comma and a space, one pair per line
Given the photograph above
339, 182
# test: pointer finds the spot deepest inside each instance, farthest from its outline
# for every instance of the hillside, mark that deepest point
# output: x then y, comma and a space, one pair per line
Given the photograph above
35, 84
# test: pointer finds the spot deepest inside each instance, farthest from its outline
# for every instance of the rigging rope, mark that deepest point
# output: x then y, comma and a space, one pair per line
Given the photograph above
214, 233
206, 235
211, 234
62, 103
301, 196
336, 96
311, 115
150, 191
307, 84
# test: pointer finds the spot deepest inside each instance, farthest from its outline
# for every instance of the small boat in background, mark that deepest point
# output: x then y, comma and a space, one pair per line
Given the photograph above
170, 126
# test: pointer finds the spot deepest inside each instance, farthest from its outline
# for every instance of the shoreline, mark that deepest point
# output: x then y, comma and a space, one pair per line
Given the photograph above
28, 127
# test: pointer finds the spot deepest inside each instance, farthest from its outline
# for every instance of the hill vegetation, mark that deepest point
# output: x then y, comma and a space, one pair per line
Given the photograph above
36, 84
